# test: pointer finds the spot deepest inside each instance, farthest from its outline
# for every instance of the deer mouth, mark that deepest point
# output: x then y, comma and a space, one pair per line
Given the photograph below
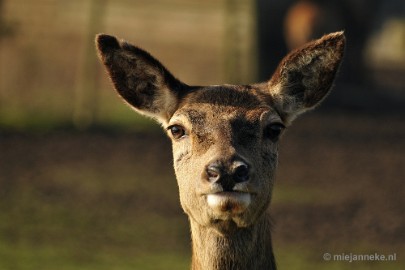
229, 202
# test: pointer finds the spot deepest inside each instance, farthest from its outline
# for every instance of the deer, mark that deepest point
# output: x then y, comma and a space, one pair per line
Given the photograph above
225, 141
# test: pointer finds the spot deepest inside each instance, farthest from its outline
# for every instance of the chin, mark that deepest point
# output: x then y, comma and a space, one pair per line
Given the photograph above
227, 216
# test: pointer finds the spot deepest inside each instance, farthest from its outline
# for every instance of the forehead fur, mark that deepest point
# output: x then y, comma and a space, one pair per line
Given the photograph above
240, 96
223, 116
218, 106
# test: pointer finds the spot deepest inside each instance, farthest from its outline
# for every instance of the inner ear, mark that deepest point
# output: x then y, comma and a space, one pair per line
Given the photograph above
140, 79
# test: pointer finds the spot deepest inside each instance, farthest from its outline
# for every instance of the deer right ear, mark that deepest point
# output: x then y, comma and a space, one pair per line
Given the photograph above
140, 79
305, 76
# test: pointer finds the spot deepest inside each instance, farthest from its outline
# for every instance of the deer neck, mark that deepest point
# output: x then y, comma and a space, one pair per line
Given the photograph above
233, 248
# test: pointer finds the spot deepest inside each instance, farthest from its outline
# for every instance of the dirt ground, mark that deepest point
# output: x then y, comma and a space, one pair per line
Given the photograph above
339, 188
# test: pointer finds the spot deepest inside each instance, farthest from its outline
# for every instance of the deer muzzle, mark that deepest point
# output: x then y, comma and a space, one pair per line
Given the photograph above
229, 202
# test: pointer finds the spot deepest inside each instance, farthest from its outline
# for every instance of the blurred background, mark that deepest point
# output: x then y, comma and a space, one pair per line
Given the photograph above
85, 183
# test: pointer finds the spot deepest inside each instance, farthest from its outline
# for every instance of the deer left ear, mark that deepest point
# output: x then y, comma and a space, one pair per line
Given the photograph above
305, 76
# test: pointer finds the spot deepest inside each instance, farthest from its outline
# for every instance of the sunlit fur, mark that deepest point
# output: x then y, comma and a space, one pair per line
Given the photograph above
222, 125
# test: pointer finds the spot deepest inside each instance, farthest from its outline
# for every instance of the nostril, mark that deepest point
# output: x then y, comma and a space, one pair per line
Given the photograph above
241, 173
213, 173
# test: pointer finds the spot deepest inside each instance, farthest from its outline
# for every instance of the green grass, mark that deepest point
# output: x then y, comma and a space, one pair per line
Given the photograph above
95, 215
120, 118
33, 257
38, 233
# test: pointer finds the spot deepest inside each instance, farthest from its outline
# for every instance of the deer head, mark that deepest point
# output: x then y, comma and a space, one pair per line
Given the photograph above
225, 137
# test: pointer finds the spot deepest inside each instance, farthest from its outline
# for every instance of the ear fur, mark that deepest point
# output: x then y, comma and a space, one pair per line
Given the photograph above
304, 77
140, 79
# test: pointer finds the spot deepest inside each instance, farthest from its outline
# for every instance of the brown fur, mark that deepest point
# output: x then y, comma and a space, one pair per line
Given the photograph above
225, 141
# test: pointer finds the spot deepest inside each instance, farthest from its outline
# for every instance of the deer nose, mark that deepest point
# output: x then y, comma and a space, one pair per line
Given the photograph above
237, 172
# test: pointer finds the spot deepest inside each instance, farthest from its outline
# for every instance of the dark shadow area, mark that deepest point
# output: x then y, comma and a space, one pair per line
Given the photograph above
362, 85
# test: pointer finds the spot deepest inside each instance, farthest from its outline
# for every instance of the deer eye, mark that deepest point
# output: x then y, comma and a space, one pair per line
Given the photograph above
273, 131
177, 131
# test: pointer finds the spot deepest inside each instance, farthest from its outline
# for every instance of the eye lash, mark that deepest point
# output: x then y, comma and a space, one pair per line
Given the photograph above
172, 125
169, 127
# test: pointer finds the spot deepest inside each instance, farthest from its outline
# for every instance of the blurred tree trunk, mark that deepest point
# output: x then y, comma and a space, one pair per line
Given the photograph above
86, 97
6, 30
1, 18
240, 42
2, 28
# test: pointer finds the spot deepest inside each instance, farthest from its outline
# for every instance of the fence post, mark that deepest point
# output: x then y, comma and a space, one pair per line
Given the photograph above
240, 42
86, 97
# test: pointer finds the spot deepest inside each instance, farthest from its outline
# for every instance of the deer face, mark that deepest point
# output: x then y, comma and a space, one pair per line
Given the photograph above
225, 152
224, 138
